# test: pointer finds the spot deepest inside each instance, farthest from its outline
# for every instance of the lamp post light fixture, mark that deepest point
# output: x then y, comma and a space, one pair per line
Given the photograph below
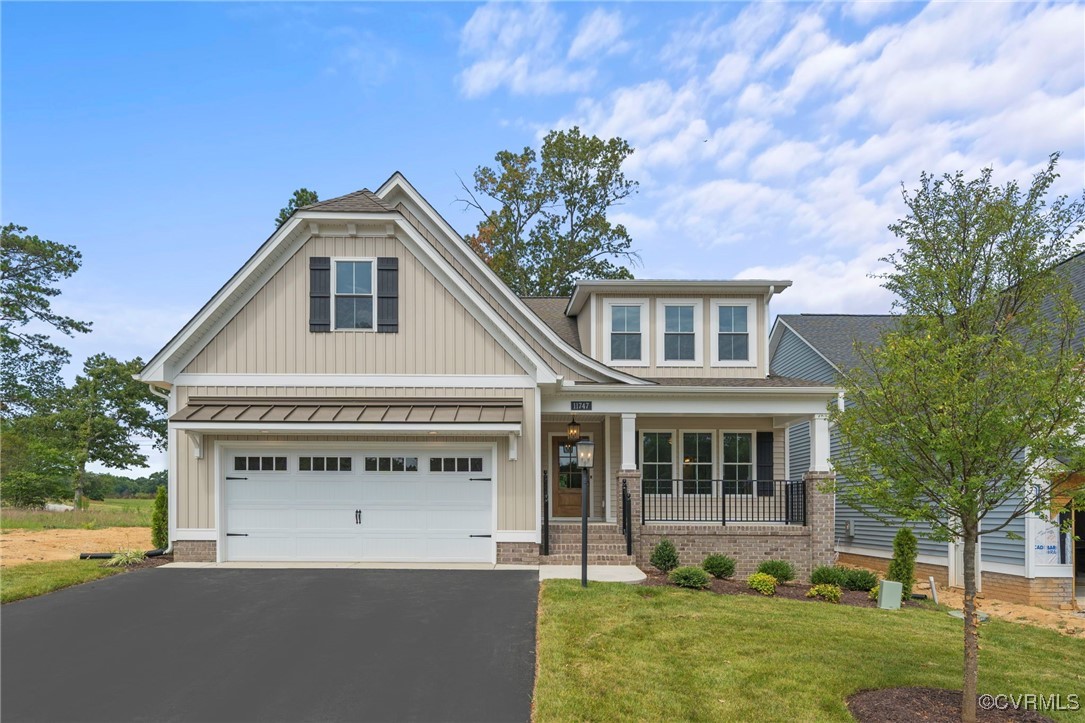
585, 456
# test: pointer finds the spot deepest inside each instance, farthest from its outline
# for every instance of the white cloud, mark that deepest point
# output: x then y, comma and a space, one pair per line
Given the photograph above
784, 161
729, 73
600, 33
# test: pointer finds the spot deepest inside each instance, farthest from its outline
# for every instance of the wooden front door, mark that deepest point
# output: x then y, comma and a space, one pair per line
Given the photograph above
565, 481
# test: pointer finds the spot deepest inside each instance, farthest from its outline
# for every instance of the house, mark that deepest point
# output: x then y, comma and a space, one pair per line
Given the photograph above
1030, 561
365, 388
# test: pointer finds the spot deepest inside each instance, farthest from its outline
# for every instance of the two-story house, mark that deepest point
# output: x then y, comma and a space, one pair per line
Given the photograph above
365, 388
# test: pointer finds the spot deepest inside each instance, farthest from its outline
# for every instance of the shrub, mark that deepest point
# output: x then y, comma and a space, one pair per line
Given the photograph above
873, 594
826, 591
664, 557
160, 526
902, 566
689, 576
827, 575
861, 580
719, 566
762, 582
124, 558
779, 569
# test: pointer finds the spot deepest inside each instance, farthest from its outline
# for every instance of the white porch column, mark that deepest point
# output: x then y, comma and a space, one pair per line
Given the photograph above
819, 443
629, 442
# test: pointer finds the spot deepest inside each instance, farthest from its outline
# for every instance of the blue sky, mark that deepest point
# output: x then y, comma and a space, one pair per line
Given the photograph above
771, 140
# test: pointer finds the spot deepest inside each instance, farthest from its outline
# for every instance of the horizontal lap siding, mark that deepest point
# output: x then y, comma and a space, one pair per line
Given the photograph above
998, 546
799, 455
270, 334
516, 479
793, 357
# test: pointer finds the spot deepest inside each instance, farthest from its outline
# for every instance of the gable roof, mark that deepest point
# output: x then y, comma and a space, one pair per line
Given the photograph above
363, 201
834, 335
551, 309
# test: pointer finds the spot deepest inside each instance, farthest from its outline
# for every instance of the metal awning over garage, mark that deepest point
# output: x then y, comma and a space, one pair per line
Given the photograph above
349, 411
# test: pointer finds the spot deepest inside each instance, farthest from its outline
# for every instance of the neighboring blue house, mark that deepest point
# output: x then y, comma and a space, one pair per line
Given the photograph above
1036, 568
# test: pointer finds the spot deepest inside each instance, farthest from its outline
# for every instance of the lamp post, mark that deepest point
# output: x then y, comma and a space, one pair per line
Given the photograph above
585, 454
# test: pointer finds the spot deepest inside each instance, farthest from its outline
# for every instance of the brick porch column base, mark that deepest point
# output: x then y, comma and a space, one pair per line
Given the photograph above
821, 518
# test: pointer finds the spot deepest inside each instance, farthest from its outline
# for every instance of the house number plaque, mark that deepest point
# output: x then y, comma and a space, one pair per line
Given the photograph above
580, 406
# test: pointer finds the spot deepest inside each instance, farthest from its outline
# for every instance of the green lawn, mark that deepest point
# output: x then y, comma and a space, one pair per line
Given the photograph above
38, 578
622, 652
107, 513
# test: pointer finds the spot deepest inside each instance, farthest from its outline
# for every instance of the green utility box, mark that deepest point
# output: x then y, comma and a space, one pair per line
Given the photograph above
889, 592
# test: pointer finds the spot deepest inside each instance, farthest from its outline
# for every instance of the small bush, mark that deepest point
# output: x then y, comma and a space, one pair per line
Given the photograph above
861, 580
825, 591
827, 575
664, 557
689, 576
160, 531
873, 594
762, 582
902, 566
125, 558
719, 566
782, 570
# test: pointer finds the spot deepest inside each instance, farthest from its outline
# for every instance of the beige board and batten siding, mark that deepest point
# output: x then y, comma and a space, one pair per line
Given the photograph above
540, 346
708, 337
437, 334
515, 478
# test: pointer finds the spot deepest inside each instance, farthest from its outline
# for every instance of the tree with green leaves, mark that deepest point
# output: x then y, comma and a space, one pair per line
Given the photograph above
106, 413
160, 530
302, 197
30, 363
36, 466
973, 403
550, 227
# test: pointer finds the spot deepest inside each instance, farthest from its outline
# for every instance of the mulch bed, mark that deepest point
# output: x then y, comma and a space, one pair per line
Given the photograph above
789, 590
905, 705
149, 562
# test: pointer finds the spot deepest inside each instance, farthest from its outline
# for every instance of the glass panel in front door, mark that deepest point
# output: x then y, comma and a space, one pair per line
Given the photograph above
569, 476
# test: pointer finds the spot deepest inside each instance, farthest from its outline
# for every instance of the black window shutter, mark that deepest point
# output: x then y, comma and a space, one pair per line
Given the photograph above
764, 464
388, 294
320, 293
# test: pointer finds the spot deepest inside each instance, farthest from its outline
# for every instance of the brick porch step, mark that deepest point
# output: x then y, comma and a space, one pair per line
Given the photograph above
606, 545
569, 558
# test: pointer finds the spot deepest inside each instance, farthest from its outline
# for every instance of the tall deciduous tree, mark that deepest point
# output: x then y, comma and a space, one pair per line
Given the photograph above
967, 406
550, 226
106, 413
30, 363
301, 197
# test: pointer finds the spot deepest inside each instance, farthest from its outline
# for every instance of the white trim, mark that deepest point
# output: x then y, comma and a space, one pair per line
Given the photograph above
753, 319
349, 428
661, 332
804, 341
629, 441
610, 506
171, 470
372, 292
592, 328
195, 533
645, 332
550, 437
753, 461
459, 381
700, 287
196, 440
513, 447
758, 406
674, 456
219, 491
888, 555
514, 536
538, 465
715, 437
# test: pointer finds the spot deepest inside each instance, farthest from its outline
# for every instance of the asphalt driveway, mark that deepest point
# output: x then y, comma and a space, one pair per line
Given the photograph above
274, 645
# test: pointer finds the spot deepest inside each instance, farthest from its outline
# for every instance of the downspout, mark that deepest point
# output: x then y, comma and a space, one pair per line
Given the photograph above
164, 395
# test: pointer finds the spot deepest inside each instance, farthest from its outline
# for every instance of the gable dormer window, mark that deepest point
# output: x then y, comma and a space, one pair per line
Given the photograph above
679, 332
352, 306
625, 332
732, 320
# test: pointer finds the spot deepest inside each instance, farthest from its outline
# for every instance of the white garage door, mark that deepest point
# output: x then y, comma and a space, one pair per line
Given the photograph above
325, 505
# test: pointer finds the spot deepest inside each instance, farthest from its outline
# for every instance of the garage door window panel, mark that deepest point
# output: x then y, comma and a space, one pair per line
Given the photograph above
259, 464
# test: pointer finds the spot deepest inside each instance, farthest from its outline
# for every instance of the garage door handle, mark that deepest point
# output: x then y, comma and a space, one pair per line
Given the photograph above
480, 479
357, 517
237, 478
480, 535
237, 534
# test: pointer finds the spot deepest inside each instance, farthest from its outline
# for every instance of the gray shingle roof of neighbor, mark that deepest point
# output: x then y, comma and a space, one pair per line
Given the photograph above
1074, 270
834, 335
363, 201
551, 309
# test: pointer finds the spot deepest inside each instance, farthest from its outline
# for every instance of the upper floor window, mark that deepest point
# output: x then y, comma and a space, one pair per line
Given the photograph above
625, 330
353, 303
733, 345
679, 337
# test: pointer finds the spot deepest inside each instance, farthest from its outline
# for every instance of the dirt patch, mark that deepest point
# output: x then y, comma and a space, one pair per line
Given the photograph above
906, 705
1067, 622
789, 590
21, 546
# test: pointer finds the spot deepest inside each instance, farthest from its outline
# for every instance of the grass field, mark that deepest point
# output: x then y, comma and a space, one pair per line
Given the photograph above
38, 578
107, 513
621, 652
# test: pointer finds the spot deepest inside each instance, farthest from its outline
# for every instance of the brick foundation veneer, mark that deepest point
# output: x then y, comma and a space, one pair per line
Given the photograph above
1045, 592
194, 551
749, 545
517, 553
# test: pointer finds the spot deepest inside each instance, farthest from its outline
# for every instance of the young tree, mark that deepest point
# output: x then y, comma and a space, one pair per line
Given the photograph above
965, 407
30, 363
301, 197
106, 413
550, 227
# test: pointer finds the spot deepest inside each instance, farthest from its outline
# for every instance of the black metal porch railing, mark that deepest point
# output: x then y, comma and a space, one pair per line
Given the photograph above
627, 518
772, 502
545, 514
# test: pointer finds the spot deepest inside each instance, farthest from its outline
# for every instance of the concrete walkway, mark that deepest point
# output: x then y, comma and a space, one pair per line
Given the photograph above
596, 573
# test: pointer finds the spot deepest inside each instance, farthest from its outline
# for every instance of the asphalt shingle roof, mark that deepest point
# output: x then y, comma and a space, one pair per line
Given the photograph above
834, 335
363, 201
772, 380
551, 309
